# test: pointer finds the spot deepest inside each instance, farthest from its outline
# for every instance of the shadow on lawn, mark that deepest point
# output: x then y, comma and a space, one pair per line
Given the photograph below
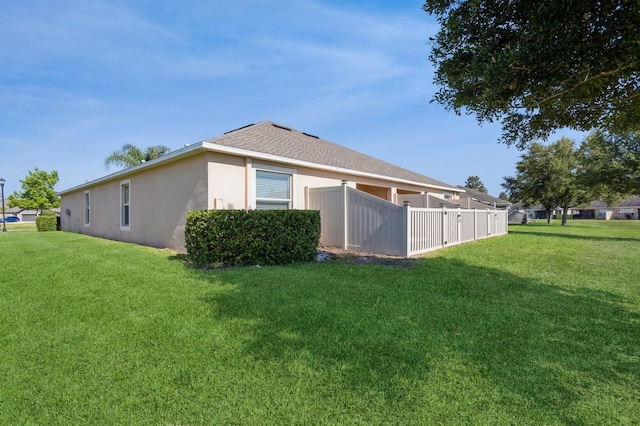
375, 329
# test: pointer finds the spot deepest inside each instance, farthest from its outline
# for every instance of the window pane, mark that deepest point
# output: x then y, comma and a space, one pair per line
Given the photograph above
272, 205
125, 214
272, 185
87, 204
125, 194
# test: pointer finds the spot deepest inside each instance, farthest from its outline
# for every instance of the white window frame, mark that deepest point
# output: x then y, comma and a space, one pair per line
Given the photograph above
87, 208
274, 169
124, 227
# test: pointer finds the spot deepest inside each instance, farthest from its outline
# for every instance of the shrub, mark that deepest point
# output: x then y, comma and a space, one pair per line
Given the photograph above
255, 237
46, 223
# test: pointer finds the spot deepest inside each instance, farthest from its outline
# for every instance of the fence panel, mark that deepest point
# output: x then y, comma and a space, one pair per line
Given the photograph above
467, 225
330, 203
374, 224
482, 226
426, 231
359, 221
502, 222
452, 219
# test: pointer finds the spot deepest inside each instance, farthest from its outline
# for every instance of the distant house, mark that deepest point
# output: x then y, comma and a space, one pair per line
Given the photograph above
626, 209
486, 199
26, 215
594, 210
260, 166
598, 209
538, 211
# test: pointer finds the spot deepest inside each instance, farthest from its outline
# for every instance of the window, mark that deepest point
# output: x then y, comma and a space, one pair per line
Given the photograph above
125, 200
87, 208
273, 190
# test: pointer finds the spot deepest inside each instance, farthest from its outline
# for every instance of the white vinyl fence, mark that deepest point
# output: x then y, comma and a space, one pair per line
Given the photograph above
355, 220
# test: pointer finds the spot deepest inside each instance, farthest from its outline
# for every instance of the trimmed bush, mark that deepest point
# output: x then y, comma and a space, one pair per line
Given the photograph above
46, 223
216, 238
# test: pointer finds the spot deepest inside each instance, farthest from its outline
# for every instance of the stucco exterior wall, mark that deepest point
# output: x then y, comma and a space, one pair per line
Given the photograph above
226, 174
161, 195
232, 182
159, 200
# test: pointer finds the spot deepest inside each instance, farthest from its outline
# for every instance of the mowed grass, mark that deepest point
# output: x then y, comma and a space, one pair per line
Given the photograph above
541, 326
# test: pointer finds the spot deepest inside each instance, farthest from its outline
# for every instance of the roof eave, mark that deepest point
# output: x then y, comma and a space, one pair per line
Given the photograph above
186, 151
208, 146
291, 161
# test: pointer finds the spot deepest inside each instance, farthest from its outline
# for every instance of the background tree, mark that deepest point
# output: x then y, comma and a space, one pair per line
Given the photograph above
611, 165
548, 175
130, 155
474, 182
37, 191
539, 65
504, 196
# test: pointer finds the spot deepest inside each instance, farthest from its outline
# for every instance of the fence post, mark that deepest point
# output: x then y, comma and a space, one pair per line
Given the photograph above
408, 229
488, 223
445, 234
345, 216
475, 224
459, 230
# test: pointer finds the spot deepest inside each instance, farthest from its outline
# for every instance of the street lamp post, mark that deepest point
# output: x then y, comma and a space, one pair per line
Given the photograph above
4, 219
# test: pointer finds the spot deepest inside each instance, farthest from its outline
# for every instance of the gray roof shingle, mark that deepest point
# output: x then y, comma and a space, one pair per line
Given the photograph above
274, 139
482, 197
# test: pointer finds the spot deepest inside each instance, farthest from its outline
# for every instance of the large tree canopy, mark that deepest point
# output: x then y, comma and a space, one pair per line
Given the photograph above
130, 155
37, 191
539, 65
610, 165
548, 175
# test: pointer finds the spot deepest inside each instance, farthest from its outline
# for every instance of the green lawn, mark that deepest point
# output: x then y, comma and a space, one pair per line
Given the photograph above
538, 327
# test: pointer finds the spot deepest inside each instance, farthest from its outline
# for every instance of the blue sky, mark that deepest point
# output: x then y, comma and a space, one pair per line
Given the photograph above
81, 78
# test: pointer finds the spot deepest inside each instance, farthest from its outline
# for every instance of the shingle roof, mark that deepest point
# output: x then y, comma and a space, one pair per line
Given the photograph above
464, 203
481, 196
274, 139
630, 202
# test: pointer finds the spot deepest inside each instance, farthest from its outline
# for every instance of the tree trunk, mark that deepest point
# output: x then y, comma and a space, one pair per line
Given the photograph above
564, 216
549, 216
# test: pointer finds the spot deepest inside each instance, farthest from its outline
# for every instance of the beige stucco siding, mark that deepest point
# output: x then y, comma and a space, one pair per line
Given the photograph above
162, 193
232, 180
313, 178
159, 200
226, 175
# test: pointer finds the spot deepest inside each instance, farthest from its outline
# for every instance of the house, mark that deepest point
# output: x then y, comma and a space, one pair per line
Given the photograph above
531, 212
13, 211
594, 210
259, 166
486, 199
538, 211
27, 215
628, 209
599, 209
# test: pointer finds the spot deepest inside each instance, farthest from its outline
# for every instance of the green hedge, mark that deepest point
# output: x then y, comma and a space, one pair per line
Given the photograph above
256, 237
46, 223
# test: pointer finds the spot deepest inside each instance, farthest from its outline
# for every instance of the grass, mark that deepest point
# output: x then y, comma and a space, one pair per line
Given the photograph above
538, 327
20, 226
